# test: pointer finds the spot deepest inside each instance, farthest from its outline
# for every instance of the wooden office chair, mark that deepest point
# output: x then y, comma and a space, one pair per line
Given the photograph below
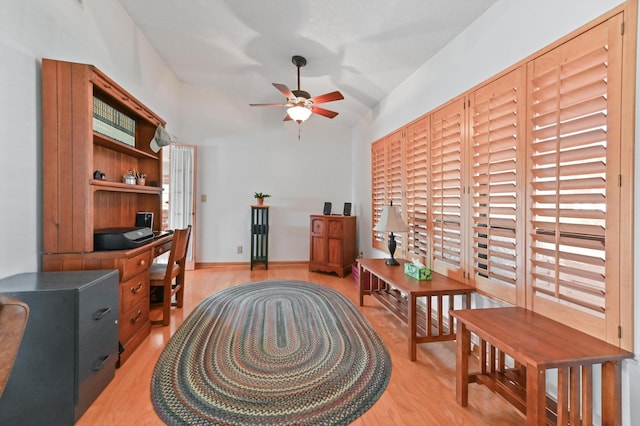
167, 280
13, 320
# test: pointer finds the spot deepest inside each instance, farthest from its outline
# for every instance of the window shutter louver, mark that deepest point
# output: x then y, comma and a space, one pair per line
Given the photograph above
416, 168
378, 173
495, 119
572, 196
394, 151
446, 132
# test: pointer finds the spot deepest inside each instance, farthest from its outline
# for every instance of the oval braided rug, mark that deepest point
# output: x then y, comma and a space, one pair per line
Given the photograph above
271, 353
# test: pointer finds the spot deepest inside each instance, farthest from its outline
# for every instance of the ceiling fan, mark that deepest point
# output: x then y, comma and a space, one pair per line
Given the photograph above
300, 105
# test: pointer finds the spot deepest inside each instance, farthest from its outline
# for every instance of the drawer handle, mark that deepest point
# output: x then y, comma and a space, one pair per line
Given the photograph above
137, 317
101, 362
100, 314
160, 250
142, 262
135, 290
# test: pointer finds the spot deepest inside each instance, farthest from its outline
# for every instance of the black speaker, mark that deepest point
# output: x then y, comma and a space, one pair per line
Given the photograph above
347, 209
327, 208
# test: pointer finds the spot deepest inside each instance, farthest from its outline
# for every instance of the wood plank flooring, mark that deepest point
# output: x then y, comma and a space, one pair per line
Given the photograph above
419, 393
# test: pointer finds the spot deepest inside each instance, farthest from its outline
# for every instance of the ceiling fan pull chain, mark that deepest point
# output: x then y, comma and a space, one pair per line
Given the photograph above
299, 130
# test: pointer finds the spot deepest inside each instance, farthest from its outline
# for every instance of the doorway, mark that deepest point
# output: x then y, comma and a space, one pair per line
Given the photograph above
179, 195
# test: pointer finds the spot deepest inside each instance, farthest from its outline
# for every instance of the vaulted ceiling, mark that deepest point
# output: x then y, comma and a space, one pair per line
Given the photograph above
363, 48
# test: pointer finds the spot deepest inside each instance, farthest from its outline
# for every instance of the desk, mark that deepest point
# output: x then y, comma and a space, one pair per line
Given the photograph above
399, 294
537, 343
133, 265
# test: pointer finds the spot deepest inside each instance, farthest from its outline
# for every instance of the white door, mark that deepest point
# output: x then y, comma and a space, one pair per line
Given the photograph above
179, 196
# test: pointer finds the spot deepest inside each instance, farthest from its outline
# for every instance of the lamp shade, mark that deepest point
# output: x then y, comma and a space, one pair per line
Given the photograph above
299, 113
390, 221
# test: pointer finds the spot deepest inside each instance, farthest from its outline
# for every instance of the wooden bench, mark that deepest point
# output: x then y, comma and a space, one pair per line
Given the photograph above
399, 294
536, 344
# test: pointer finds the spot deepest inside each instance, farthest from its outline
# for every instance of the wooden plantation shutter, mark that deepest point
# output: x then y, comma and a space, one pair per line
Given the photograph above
387, 184
394, 168
497, 120
416, 200
378, 173
447, 125
574, 166
395, 179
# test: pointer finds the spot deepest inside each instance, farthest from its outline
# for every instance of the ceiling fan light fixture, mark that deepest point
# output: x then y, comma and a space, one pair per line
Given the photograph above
299, 113
300, 105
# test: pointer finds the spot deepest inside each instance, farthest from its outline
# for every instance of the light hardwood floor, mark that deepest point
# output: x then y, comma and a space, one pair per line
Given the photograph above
419, 393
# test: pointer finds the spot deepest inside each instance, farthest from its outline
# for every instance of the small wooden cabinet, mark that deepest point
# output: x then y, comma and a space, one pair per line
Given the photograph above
332, 246
83, 187
69, 349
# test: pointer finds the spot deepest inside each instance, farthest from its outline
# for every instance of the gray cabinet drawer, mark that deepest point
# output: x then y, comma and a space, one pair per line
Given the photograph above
97, 340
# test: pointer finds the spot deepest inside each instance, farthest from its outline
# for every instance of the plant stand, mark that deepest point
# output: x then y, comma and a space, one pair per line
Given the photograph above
260, 235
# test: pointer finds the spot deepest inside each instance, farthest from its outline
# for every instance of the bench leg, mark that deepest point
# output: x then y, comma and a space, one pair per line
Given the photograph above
463, 344
411, 326
536, 396
611, 385
361, 284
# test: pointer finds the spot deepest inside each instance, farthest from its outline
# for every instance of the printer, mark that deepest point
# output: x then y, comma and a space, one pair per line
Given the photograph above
121, 238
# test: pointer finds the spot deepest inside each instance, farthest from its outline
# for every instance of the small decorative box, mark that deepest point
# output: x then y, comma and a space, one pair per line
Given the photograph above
417, 273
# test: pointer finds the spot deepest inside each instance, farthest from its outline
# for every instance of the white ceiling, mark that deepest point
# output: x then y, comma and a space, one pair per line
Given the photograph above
363, 48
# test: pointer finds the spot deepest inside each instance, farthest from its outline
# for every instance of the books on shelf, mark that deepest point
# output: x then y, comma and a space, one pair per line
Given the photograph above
110, 122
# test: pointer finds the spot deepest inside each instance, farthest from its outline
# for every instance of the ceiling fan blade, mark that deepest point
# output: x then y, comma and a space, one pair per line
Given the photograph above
268, 105
284, 90
328, 97
323, 112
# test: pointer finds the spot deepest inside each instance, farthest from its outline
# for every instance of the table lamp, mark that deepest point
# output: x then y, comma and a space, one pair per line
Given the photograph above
391, 221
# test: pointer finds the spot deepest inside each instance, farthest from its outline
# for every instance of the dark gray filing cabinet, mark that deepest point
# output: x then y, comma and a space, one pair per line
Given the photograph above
69, 349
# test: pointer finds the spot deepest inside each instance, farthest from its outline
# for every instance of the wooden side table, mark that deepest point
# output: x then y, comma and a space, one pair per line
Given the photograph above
399, 294
537, 343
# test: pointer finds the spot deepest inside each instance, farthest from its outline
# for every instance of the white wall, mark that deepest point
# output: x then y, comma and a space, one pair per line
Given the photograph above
495, 41
236, 157
241, 152
58, 29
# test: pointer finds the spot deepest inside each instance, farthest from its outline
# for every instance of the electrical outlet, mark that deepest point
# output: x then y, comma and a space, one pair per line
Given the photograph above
239, 250
203, 198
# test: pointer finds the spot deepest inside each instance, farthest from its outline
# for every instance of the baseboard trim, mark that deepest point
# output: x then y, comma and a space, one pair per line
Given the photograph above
247, 265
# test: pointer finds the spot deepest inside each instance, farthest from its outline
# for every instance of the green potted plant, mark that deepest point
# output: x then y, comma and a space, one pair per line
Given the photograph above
260, 196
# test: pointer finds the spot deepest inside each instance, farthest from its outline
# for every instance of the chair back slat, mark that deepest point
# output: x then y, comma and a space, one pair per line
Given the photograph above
175, 269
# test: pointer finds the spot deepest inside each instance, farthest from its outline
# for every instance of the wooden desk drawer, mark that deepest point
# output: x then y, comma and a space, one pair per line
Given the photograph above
132, 321
134, 291
136, 265
161, 249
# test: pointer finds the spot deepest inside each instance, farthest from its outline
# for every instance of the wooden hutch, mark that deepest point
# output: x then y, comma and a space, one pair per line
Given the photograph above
76, 203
